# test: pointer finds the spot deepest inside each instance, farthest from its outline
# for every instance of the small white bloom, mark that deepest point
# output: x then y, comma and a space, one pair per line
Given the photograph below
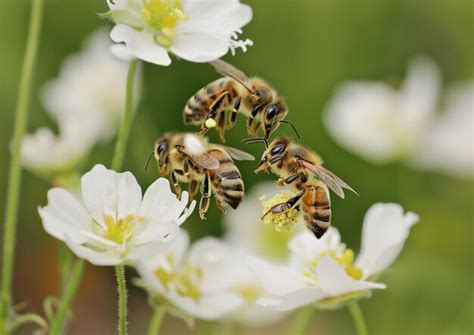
49, 154
449, 144
113, 224
207, 281
195, 30
323, 271
90, 91
382, 124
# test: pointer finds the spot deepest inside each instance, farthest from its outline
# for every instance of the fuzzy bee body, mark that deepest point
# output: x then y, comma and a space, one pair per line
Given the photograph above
252, 97
190, 159
302, 168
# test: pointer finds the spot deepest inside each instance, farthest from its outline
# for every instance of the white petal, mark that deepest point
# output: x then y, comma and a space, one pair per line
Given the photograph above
384, 232
141, 44
292, 300
199, 47
64, 216
156, 231
276, 280
109, 257
107, 192
334, 280
121, 52
161, 205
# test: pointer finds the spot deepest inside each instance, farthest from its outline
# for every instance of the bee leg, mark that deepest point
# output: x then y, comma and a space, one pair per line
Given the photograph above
233, 115
287, 181
193, 189
177, 187
256, 128
221, 206
221, 125
284, 206
249, 125
186, 171
205, 197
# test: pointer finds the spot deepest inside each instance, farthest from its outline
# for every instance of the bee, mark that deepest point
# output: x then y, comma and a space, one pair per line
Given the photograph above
235, 92
301, 168
191, 159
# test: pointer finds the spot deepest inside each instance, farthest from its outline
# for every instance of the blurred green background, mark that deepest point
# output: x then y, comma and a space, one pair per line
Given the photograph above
305, 49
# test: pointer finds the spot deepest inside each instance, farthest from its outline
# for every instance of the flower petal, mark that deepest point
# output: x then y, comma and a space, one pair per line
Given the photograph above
109, 257
107, 192
141, 44
161, 205
334, 280
199, 47
64, 216
384, 232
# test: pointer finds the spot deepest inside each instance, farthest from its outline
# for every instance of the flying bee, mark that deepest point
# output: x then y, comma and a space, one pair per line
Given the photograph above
253, 97
191, 159
301, 168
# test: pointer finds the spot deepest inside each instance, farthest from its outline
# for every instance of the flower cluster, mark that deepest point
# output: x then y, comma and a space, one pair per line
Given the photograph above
382, 124
86, 102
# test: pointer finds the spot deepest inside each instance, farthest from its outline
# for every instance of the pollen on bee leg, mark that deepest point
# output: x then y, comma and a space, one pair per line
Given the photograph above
210, 123
282, 221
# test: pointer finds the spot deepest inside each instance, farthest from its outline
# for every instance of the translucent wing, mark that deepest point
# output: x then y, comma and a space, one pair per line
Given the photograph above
229, 70
204, 160
236, 153
335, 183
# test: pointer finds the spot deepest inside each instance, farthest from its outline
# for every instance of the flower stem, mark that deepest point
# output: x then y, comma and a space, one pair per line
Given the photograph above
302, 321
57, 324
65, 266
357, 317
156, 320
21, 116
122, 305
124, 131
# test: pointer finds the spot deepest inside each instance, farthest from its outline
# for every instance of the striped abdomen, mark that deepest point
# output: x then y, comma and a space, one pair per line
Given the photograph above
317, 208
226, 181
198, 107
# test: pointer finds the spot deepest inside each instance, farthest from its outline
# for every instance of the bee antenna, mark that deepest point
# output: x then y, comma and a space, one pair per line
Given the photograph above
252, 140
148, 160
292, 126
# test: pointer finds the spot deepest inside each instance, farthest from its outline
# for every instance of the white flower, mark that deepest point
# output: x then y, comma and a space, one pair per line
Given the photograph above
89, 92
206, 281
49, 154
449, 144
246, 231
113, 224
323, 271
382, 124
195, 30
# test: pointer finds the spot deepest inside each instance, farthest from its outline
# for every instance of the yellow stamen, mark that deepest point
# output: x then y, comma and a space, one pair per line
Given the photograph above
248, 292
163, 16
345, 261
121, 230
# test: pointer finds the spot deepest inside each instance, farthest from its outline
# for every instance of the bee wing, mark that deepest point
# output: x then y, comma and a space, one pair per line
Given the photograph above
229, 70
335, 183
204, 160
237, 153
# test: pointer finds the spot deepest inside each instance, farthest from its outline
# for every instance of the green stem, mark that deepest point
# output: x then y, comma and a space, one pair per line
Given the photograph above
302, 321
122, 305
21, 116
357, 317
65, 266
70, 291
156, 320
124, 131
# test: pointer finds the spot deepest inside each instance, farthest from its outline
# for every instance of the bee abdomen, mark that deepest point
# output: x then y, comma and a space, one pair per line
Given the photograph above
198, 107
317, 210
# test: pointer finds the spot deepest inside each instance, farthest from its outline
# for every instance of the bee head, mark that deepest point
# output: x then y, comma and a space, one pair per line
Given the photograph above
161, 152
274, 113
273, 154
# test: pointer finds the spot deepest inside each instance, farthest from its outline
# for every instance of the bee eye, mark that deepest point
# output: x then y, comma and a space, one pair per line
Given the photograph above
277, 149
271, 111
162, 147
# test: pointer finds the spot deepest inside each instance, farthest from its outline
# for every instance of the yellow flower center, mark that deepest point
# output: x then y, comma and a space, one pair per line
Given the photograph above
121, 230
282, 221
163, 16
185, 282
249, 293
345, 260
